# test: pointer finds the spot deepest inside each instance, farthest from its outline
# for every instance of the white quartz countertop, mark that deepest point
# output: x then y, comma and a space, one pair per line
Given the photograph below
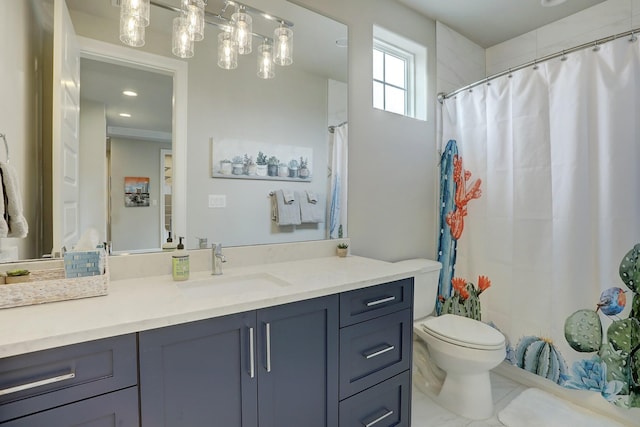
135, 305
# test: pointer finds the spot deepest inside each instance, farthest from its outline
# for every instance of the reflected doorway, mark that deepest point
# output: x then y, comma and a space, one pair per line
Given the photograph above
132, 107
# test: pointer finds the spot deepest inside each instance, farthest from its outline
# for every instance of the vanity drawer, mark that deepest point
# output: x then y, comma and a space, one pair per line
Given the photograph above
373, 351
45, 379
384, 405
119, 408
367, 303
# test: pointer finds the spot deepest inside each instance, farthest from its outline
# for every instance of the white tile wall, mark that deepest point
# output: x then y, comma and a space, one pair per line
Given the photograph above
635, 12
602, 20
460, 61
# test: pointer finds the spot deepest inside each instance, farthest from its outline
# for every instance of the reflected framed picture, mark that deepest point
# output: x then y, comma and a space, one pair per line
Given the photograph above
241, 159
136, 191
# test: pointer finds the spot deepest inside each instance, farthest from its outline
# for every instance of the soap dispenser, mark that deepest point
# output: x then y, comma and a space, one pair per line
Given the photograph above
169, 245
180, 261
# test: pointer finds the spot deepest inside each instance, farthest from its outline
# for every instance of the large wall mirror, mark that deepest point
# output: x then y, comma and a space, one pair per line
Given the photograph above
225, 114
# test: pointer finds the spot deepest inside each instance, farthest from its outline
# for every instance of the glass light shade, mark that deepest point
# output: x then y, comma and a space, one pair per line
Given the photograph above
181, 42
131, 31
136, 8
227, 51
195, 17
265, 61
241, 31
283, 46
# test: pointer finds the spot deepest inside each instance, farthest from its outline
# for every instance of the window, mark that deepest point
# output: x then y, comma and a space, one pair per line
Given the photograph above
399, 74
392, 78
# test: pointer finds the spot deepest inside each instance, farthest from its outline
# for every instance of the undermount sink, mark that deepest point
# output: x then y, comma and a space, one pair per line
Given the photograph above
234, 284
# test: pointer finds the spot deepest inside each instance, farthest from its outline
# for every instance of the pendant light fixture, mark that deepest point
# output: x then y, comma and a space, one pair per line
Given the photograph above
194, 11
265, 60
181, 41
136, 8
235, 39
283, 45
134, 17
227, 51
131, 31
242, 30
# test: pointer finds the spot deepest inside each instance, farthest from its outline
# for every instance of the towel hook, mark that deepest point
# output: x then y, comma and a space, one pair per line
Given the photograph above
6, 146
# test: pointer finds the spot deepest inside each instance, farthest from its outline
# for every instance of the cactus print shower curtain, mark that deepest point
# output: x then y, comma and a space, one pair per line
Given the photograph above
557, 147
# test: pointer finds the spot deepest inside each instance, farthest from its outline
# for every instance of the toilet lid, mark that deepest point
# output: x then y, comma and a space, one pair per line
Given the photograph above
464, 331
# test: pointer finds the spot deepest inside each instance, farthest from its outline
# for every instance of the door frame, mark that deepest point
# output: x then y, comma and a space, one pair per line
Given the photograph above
106, 52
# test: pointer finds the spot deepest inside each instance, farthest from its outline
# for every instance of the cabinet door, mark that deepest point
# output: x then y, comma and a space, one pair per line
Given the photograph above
199, 374
119, 408
298, 371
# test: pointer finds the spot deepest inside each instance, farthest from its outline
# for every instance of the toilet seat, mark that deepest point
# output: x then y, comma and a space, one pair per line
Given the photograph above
462, 331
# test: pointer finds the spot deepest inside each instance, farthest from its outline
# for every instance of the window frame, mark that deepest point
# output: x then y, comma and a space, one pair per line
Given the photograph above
408, 57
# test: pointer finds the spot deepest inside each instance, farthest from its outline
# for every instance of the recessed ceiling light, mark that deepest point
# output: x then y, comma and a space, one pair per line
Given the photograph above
129, 93
125, 115
550, 3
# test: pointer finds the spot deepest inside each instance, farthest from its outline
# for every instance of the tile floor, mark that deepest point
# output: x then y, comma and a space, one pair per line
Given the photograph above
426, 413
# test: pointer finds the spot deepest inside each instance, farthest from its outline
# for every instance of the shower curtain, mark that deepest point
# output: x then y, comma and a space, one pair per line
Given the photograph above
338, 178
557, 147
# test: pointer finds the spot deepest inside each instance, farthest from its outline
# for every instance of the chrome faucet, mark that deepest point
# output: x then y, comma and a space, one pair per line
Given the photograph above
217, 259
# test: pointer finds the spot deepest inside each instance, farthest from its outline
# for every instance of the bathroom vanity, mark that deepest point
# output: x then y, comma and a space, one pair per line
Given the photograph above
323, 341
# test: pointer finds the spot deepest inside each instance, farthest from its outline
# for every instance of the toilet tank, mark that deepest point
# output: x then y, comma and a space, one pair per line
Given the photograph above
425, 288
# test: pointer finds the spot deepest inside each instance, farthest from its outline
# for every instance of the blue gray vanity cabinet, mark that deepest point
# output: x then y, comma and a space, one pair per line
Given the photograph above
72, 385
271, 367
375, 355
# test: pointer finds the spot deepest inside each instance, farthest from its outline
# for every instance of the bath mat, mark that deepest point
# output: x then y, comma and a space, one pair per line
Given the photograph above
536, 408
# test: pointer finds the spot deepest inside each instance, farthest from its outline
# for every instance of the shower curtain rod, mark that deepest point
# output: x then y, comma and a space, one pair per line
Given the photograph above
594, 44
333, 127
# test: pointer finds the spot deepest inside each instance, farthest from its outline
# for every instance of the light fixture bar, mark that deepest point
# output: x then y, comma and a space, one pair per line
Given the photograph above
265, 15
225, 23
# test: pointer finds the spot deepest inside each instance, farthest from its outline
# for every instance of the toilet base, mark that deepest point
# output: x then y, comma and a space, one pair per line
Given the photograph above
467, 395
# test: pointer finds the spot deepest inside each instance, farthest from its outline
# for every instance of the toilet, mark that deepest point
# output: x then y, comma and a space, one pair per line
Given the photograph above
452, 355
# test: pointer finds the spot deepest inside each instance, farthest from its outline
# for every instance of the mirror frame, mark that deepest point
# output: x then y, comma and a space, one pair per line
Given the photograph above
121, 55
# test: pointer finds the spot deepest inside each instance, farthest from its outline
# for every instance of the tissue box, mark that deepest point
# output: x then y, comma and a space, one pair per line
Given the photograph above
85, 263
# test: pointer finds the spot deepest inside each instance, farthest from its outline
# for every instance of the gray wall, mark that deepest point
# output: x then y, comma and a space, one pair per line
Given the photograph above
93, 167
392, 159
224, 105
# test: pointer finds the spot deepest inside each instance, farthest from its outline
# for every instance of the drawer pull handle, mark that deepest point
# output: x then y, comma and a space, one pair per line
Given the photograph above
268, 345
380, 301
380, 418
252, 362
37, 383
375, 353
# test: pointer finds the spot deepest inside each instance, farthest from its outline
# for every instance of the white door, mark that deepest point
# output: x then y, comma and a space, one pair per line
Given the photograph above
66, 119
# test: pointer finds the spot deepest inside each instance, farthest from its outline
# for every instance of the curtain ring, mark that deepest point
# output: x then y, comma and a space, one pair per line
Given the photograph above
535, 64
510, 75
596, 46
564, 56
633, 37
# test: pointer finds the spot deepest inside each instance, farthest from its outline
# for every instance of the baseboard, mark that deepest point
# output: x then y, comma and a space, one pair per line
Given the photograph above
587, 399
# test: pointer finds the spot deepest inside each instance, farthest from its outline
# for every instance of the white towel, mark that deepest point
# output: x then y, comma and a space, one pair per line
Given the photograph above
16, 222
288, 196
310, 212
284, 213
311, 197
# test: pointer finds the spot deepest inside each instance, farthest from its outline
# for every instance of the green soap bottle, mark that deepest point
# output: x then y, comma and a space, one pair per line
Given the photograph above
180, 261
